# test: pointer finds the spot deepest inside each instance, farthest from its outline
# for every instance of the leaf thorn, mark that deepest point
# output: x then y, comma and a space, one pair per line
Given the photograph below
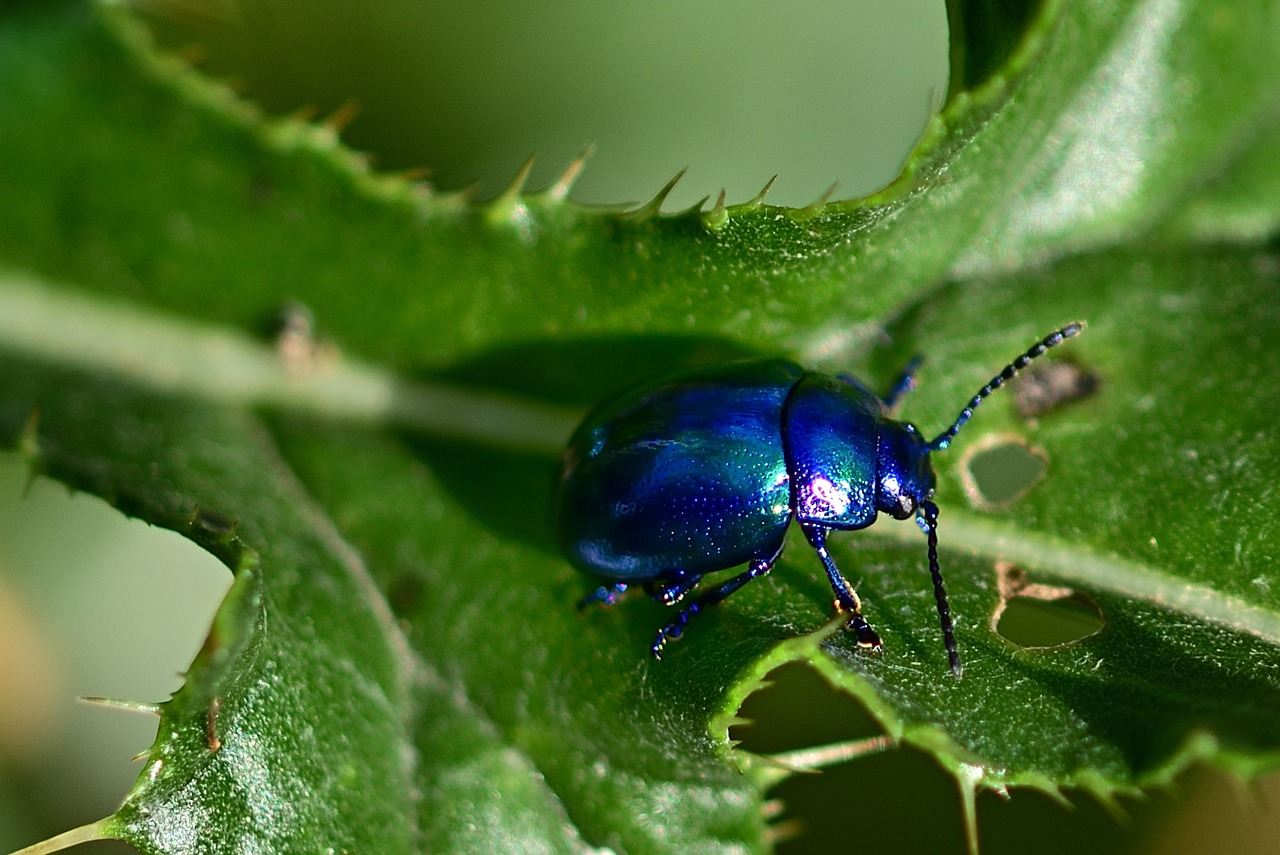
654, 206
28, 447
817, 205
508, 207
814, 759
121, 704
715, 219
693, 210
783, 831
559, 189
82, 834
758, 200
339, 119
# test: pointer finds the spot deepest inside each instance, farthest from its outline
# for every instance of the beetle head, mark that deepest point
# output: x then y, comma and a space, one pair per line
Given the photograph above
904, 475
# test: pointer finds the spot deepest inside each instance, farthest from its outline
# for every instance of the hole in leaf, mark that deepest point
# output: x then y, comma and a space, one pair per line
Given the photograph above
1033, 615
1032, 622
1044, 386
1000, 469
119, 608
796, 708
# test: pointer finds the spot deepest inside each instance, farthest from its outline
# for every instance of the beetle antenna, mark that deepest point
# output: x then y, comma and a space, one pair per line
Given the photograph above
930, 511
1052, 340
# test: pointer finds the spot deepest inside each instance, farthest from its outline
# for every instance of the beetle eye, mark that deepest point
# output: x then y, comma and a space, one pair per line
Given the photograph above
906, 505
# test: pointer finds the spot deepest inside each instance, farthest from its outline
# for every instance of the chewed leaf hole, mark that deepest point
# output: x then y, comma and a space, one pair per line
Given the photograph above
796, 708
822, 749
1032, 622
1032, 615
999, 470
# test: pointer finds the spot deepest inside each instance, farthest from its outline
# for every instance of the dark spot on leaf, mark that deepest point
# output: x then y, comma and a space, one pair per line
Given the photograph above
404, 594
261, 189
212, 740
1047, 385
208, 521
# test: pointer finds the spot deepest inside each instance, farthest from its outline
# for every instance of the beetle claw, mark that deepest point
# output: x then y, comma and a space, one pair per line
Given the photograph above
867, 637
672, 632
606, 594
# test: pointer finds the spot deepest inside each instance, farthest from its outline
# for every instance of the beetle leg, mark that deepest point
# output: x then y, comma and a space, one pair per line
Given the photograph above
673, 588
850, 380
846, 598
675, 629
607, 594
905, 383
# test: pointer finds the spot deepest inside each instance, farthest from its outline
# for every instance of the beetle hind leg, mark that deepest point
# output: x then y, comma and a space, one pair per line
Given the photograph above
673, 587
675, 629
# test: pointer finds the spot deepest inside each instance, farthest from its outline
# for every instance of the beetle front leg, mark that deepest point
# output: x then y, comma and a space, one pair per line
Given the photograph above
846, 598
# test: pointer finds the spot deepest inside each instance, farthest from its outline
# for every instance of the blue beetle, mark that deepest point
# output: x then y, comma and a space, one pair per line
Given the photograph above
706, 470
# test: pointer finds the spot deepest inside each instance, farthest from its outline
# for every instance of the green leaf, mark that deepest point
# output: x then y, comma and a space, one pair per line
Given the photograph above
399, 667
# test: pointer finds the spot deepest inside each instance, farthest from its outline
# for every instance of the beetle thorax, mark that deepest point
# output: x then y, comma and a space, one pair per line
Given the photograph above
904, 475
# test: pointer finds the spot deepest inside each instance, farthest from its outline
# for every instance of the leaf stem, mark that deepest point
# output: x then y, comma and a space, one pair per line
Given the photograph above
174, 355
1077, 563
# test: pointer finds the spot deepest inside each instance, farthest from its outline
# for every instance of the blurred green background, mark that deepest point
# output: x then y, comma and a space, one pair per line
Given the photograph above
814, 92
